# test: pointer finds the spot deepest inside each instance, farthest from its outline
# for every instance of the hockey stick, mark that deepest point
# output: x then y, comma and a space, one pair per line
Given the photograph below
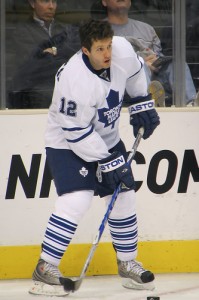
73, 285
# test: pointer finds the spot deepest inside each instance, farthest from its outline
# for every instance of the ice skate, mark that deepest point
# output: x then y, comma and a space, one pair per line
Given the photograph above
134, 276
46, 280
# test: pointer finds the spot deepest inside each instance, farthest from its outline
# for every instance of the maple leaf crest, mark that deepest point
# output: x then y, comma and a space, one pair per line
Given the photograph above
109, 115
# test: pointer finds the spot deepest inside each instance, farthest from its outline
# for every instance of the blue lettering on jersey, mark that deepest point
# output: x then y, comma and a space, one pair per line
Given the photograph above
109, 115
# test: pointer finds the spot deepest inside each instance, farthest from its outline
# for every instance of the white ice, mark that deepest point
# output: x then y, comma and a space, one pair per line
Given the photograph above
168, 287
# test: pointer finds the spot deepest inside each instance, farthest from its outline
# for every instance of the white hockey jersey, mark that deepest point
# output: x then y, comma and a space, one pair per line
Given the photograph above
86, 105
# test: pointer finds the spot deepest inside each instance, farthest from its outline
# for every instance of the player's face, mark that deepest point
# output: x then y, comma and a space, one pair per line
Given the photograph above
44, 9
100, 54
115, 5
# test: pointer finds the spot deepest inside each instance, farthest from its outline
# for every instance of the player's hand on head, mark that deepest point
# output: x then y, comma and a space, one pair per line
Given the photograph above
116, 170
143, 114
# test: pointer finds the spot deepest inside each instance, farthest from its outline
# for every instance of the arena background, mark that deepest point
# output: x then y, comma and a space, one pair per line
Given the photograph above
167, 174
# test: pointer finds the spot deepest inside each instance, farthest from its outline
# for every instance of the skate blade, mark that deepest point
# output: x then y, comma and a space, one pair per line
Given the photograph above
41, 288
131, 284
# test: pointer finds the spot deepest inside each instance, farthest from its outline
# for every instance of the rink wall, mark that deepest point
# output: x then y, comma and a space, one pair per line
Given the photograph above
166, 170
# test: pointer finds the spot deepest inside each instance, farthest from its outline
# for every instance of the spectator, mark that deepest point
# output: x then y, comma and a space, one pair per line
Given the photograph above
42, 45
146, 42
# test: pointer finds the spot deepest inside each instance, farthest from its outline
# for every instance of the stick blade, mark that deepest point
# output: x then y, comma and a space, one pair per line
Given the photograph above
69, 284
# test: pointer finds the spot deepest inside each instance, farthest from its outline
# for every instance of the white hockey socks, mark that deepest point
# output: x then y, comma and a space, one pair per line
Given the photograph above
69, 210
123, 226
124, 235
58, 235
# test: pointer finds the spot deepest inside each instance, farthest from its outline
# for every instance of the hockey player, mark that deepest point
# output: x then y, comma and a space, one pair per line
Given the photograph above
82, 136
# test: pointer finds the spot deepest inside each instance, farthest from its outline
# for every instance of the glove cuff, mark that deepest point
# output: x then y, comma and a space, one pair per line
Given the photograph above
112, 162
142, 106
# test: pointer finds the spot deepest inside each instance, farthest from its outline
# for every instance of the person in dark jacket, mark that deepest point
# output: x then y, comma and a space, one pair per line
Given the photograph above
41, 46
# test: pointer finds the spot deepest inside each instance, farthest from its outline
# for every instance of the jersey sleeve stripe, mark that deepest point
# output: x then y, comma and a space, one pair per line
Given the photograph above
74, 128
81, 137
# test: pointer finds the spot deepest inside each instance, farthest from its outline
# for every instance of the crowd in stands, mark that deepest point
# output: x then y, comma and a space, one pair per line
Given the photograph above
45, 35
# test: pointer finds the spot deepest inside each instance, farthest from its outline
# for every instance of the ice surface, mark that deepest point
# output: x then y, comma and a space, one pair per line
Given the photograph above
168, 287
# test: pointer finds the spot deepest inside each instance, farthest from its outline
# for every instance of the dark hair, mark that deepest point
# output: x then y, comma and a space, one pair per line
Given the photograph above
94, 30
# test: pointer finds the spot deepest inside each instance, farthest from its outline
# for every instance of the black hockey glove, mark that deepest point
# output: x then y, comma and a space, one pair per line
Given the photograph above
115, 170
143, 113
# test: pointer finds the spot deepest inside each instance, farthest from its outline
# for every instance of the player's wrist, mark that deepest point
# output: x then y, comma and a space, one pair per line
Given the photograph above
143, 114
112, 162
141, 106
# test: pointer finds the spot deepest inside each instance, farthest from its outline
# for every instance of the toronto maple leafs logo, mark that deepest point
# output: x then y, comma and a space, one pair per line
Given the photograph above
109, 115
83, 172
